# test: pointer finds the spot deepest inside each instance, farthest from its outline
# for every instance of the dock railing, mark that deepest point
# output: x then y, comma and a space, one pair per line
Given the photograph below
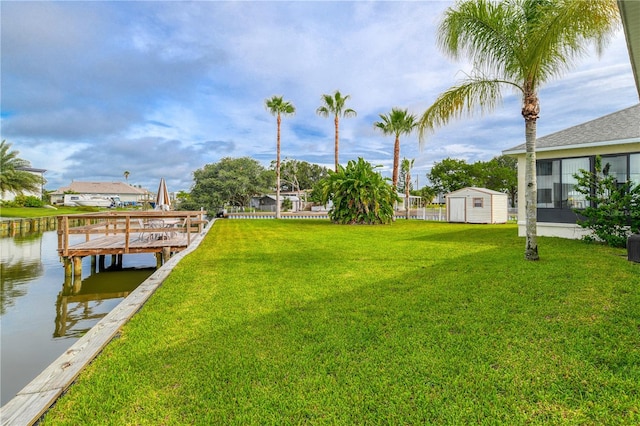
130, 225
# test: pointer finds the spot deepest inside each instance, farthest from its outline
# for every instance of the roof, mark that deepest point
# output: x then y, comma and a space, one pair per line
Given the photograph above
616, 128
116, 188
630, 14
31, 169
476, 189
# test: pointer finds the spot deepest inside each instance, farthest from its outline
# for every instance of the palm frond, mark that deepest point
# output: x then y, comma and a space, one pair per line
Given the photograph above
464, 99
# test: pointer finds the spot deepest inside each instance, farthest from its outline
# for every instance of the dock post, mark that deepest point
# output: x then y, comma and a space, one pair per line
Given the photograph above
158, 260
113, 261
77, 266
101, 263
120, 261
166, 254
93, 264
68, 270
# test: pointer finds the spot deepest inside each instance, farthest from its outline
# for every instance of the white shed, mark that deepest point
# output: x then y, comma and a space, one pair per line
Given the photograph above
477, 205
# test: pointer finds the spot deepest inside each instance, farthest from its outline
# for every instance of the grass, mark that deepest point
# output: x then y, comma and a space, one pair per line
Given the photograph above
33, 212
305, 322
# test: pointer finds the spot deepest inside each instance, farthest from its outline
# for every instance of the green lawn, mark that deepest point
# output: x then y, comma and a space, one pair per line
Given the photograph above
32, 212
305, 322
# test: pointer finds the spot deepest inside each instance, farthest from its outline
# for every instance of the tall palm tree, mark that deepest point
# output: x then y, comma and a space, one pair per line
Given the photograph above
334, 105
12, 177
126, 175
520, 44
407, 165
277, 106
397, 122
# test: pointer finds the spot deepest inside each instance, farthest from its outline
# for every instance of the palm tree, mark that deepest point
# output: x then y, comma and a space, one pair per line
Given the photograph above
520, 44
12, 176
126, 175
397, 122
277, 106
407, 165
334, 105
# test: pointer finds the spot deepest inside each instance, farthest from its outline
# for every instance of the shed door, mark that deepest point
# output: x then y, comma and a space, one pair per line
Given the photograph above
457, 209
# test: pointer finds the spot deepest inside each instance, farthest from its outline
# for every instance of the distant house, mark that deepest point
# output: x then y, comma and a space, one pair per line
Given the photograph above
268, 202
10, 196
614, 137
126, 193
477, 205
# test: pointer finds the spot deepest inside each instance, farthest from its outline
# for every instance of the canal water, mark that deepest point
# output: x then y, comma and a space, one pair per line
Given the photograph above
41, 315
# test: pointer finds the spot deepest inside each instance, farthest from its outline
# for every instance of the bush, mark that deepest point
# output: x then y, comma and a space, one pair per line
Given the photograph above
359, 195
614, 210
24, 201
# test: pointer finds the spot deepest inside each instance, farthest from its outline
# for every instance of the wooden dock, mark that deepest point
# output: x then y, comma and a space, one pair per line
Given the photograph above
121, 232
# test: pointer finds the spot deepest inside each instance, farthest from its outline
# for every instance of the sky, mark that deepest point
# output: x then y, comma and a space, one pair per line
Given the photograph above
90, 90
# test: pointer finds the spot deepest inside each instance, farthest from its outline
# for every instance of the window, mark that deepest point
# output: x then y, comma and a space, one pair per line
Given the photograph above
570, 197
548, 180
634, 168
478, 202
615, 166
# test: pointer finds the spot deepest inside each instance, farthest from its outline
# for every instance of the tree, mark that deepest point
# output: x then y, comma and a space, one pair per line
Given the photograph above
397, 122
299, 175
126, 175
277, 106
13, 177
501, 174
520, 44
613, 212
407, 165
451, 174
231, 181
334, 105
360, 195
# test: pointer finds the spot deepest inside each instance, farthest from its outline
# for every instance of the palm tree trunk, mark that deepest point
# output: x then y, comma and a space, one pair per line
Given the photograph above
530, 112
278, 170
336, 122
396, 161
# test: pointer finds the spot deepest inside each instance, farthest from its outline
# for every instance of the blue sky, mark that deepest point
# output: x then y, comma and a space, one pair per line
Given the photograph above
91, 89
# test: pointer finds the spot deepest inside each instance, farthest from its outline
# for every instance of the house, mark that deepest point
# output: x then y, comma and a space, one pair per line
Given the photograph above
268, 202
128, 194
614, 137
10, 196
477, 205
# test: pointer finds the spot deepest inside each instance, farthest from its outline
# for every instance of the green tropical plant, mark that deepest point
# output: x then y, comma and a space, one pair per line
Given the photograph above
397, 122
277, 106
335, 106
520, 44
360, 195
12, 176
613, 212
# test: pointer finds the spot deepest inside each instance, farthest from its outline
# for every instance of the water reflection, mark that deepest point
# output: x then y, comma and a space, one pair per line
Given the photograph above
80, 303
42, 315
20, 263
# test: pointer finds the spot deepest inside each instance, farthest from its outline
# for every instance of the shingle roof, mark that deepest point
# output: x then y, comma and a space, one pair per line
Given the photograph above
619, 126
116, 188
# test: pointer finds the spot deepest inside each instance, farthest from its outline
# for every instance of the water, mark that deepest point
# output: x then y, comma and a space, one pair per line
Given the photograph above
41, 316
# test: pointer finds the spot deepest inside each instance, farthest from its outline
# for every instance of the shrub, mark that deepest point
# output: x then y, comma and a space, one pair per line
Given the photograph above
614, 208
359, 195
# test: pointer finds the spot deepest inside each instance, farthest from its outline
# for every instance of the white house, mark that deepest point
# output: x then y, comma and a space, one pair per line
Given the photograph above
127, 193
477, 205
10, 196
614, 137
